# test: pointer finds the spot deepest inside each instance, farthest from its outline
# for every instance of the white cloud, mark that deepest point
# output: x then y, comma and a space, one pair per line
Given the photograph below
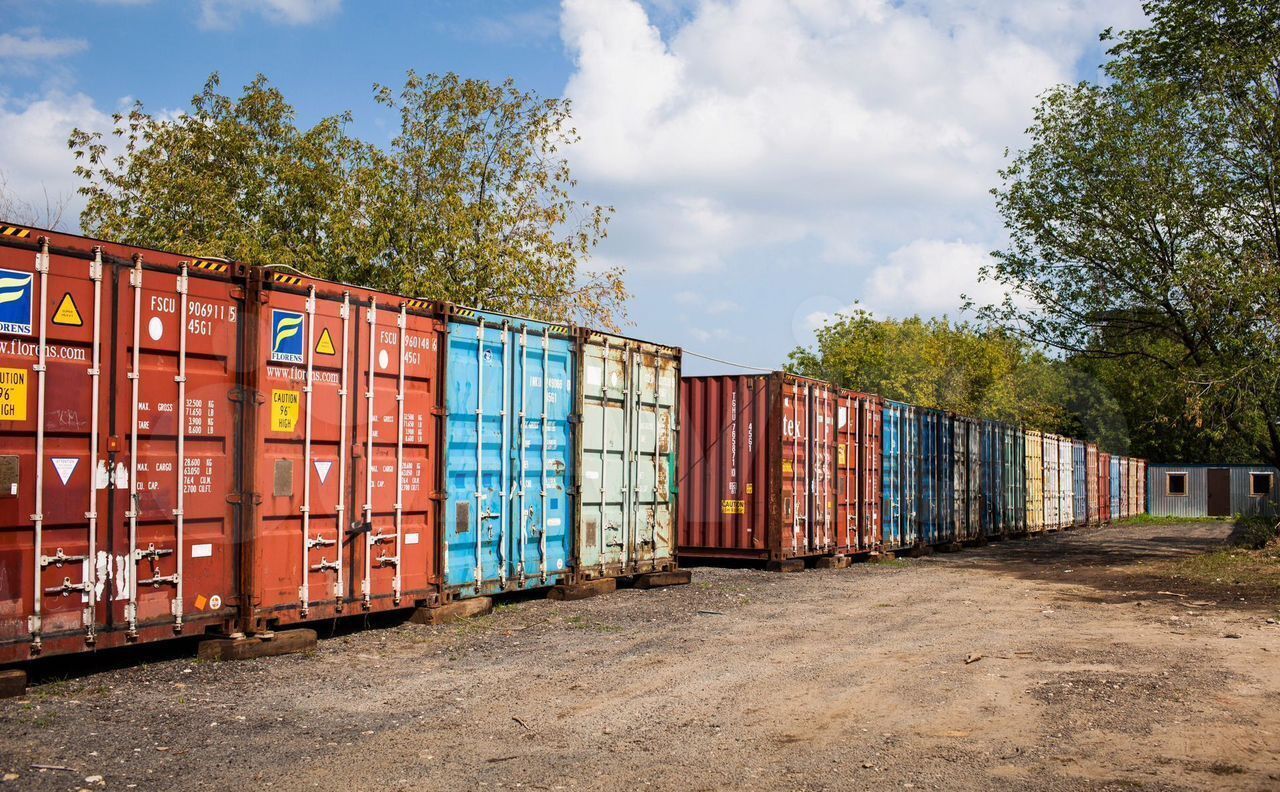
226, 14
928, 277
38, 163
30, 45
862, 130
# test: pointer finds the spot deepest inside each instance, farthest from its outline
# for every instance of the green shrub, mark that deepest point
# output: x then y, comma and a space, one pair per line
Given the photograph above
1254, 531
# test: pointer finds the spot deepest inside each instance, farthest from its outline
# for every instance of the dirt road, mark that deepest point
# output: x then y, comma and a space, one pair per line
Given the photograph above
1089, 678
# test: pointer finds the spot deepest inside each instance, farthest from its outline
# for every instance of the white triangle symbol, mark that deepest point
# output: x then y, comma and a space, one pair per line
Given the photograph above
65, 467
322, 469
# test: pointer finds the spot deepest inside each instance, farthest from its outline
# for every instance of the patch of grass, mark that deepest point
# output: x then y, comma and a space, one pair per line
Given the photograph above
1151, 519
1234, 566
893, 563
583, 623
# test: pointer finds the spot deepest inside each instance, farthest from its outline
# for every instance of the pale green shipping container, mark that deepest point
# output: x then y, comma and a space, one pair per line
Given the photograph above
627, 448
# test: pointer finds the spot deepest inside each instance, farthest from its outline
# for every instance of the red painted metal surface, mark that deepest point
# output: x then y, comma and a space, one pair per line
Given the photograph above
1092, 474
757, 467
338, 531
118, 523
859, 456
1104, 488
216, 474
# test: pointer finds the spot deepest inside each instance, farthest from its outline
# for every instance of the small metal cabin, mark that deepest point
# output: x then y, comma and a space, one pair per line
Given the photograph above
1212, 490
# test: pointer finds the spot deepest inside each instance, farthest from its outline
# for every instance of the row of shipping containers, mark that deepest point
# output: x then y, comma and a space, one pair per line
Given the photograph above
778, 467
193, 446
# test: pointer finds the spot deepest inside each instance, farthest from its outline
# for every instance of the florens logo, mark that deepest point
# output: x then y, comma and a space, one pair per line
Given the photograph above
286, 336
15, 302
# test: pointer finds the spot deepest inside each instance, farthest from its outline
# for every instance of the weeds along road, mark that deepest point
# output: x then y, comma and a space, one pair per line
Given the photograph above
1089, 678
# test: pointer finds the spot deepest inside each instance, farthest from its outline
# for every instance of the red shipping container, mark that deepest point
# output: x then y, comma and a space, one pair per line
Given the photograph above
1092, 474
757, 467
1104, 489
118, 426
859, 456
339, 531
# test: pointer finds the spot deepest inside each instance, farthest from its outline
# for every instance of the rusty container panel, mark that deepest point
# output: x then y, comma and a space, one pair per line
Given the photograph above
1092, 515
1104, 488
117, 526
628, 400
859, 455
345, 453
1035, 477
758, 459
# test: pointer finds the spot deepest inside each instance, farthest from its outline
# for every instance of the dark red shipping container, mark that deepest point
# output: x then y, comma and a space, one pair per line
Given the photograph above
118, 438
347, 438
757, 467
1104, 488
859, 455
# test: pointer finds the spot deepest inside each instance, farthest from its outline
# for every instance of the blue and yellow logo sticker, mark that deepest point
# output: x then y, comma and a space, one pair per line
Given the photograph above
15, 302
287, 336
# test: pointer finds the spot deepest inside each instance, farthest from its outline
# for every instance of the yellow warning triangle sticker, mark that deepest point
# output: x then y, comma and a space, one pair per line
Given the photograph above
325, 345
67, 313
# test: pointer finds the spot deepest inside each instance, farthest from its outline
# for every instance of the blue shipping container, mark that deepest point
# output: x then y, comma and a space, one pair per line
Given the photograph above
1079, 483
1115, 488
508, 454
935, 524
898, 474
993, 515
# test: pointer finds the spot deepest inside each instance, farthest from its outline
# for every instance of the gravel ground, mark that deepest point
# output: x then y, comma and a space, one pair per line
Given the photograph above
1093, 674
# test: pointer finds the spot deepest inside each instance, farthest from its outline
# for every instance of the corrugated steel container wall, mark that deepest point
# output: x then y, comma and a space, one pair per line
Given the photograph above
628, 404
958, 490
808, 464
973, 522
1015, 480
349, 436
912, 474
1195, 503
757, 471
1033, 444
725, 425
1092, 515
967, 504
897, 512
859, 456
497, 535
935, 522
1132, 492
892, 474
1079, 483
1066, 483
1113, 488
993, 444
1126, 482
1052, 479
117, 462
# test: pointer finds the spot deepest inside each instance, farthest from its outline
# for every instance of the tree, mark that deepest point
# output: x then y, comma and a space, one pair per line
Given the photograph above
934, 363
1142, 218
470, 203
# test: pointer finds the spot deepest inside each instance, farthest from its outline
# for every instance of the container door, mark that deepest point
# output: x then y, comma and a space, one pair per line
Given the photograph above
304, 465
628, 431
850, 470
797, 530
891, 508
54, 557
174, 543
507, 516
869, 453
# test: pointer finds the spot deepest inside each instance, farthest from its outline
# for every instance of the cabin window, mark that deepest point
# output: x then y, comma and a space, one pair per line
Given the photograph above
1260, 484
1175, 484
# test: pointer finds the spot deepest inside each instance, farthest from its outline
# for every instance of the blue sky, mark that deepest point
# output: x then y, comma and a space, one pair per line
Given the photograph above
771, 162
